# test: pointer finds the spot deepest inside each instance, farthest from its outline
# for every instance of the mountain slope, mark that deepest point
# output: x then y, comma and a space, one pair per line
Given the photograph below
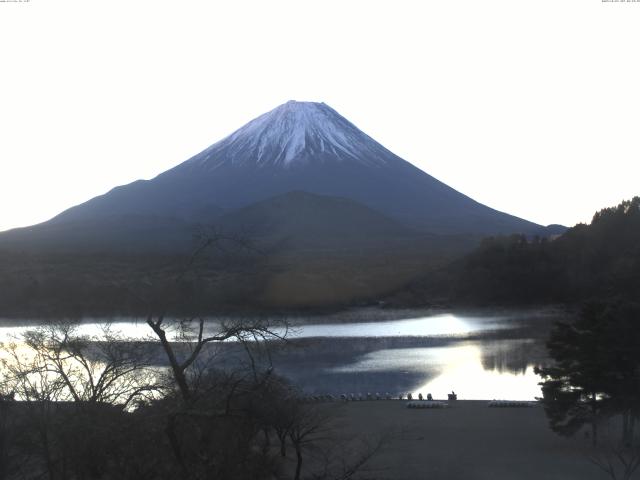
300, 146
304, 220
292, 221
125, 233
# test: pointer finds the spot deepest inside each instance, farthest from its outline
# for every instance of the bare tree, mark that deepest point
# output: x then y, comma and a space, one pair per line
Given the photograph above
344, 460
195, 338
67, 366
308, 427
74, 392
619, 459
11, 458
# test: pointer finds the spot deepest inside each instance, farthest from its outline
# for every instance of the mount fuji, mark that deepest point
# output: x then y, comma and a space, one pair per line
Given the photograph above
342, 221
297, 147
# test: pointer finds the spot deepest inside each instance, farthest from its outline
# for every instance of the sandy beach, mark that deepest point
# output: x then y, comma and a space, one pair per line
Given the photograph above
466, 441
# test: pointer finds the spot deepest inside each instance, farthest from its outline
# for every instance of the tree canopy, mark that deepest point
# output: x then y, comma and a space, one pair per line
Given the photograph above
599, 260
596, 373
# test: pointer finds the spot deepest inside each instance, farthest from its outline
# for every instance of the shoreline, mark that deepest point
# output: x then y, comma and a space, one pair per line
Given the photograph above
344, 314
467, 440
354, 314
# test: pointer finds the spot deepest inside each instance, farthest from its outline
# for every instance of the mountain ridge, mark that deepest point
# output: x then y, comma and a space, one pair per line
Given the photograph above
302, 146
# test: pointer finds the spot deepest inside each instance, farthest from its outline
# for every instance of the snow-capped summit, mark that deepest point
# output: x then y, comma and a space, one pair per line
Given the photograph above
292, 133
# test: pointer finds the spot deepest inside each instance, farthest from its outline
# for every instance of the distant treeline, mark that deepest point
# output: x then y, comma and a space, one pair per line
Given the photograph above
73, 286
599, 260
226, 277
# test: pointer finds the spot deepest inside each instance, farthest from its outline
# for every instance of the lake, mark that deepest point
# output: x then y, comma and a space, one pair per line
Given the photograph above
485, 355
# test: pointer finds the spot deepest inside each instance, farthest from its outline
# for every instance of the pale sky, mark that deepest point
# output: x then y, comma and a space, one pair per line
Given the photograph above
528, 106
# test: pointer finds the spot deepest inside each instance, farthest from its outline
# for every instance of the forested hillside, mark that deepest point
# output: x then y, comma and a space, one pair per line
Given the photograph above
599, 260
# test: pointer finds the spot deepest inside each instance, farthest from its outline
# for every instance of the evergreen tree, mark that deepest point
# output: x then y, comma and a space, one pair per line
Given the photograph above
596, 371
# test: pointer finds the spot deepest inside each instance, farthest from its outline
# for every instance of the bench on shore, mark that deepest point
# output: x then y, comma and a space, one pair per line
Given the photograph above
511, 404
427, 404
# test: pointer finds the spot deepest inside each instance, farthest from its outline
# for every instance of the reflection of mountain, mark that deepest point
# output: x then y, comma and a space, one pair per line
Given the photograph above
360, 365
512, 356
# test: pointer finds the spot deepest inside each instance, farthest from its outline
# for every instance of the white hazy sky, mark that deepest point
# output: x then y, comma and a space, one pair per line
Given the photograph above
529, 106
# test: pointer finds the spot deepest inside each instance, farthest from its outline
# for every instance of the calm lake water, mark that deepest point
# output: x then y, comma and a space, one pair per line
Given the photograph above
479, 356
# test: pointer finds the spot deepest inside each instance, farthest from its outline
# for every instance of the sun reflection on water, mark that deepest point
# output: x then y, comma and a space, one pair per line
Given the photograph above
432, 325
458, 367
462, 371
